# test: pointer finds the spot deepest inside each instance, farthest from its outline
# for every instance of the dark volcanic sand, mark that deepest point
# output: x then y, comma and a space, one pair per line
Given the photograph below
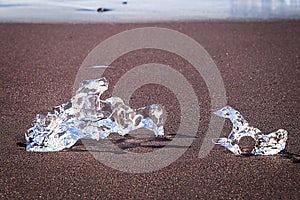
259, 63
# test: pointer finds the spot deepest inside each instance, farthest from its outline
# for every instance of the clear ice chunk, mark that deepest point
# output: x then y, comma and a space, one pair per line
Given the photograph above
87, 116
269, 144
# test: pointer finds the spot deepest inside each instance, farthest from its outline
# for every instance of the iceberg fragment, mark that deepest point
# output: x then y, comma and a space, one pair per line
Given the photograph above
87, 116
269, 144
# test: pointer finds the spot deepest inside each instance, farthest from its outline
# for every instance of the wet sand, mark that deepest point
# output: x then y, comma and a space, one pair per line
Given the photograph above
259, 63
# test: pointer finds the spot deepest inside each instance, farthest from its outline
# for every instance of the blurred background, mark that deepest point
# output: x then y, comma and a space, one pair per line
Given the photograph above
146, 10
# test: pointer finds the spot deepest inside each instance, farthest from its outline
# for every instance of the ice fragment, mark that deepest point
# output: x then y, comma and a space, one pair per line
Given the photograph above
269, 144
87, 116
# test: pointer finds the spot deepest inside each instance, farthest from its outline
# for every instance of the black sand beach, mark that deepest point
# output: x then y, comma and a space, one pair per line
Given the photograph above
259, 63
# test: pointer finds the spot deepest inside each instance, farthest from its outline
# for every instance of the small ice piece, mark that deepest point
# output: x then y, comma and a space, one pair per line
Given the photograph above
100, 66
87, 116
269, 144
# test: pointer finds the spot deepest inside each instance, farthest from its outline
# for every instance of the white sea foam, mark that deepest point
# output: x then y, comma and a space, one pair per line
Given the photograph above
146, 10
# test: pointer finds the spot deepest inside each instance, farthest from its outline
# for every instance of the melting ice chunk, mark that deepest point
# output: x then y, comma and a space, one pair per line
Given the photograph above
87, 116
269, 144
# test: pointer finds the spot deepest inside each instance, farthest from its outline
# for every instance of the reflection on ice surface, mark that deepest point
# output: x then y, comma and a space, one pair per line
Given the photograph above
268, 144
87, 116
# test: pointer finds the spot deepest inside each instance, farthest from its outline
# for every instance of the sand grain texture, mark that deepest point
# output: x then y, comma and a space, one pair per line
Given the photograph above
259, 63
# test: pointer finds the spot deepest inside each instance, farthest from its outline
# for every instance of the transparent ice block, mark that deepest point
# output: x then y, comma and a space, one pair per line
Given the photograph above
87, 116
265, 144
